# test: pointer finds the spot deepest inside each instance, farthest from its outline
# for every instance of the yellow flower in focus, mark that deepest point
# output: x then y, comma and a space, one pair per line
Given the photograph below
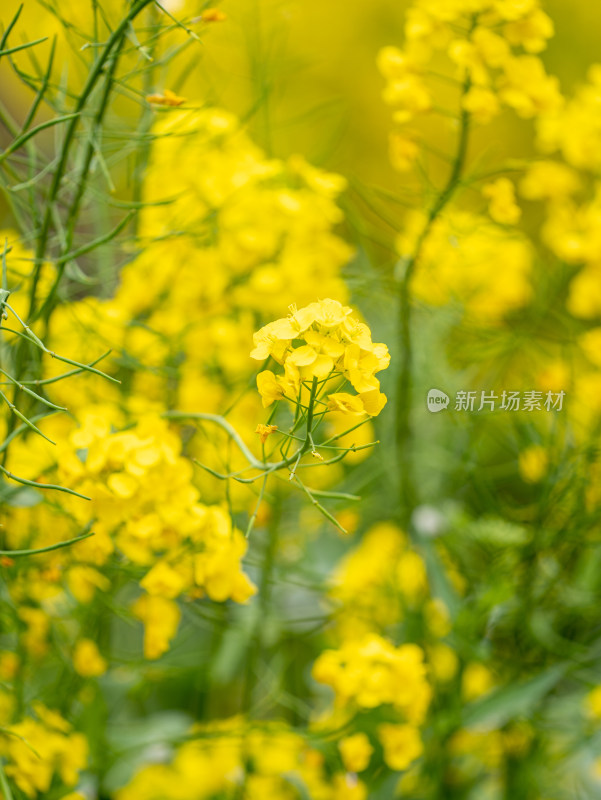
348, 404
402, 745
329, 341
87, 660
356, 752
355, 405
269, 387
502, 206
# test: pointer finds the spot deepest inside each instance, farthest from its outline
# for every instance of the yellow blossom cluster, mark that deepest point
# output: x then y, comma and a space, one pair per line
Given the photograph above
469, 260
402, 745
371, 672
574, 129
502, 204
491, 45
229, 235
375, 580
331, 343
35, 750
142, 488
229, 238
145, 506
259, 230
383, 581
235, 759
564, 180
355, 751
570, 190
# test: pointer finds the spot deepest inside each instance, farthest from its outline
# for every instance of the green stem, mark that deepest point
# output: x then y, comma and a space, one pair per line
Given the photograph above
73, 213
404, 437
95, 74
36, 485
57, 546
265, 587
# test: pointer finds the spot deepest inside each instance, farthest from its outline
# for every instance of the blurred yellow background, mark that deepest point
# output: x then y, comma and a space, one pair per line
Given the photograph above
303, 74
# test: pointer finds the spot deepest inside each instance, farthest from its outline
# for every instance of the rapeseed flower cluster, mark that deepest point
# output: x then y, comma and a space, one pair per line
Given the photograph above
372, 672
42, 752
229, 237
243, 241
467, 259
227, 240
491, 46
377, 579
235, 759
147, 510
488, 50
330, 344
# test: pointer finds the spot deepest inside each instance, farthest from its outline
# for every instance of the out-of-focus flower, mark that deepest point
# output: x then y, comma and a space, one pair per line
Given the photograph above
168, 98
402, 745
502, 205
87, 660
356, 751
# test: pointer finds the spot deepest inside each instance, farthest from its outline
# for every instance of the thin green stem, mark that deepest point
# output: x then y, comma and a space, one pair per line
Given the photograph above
36, 485
95, 73
57, 546
404, 443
